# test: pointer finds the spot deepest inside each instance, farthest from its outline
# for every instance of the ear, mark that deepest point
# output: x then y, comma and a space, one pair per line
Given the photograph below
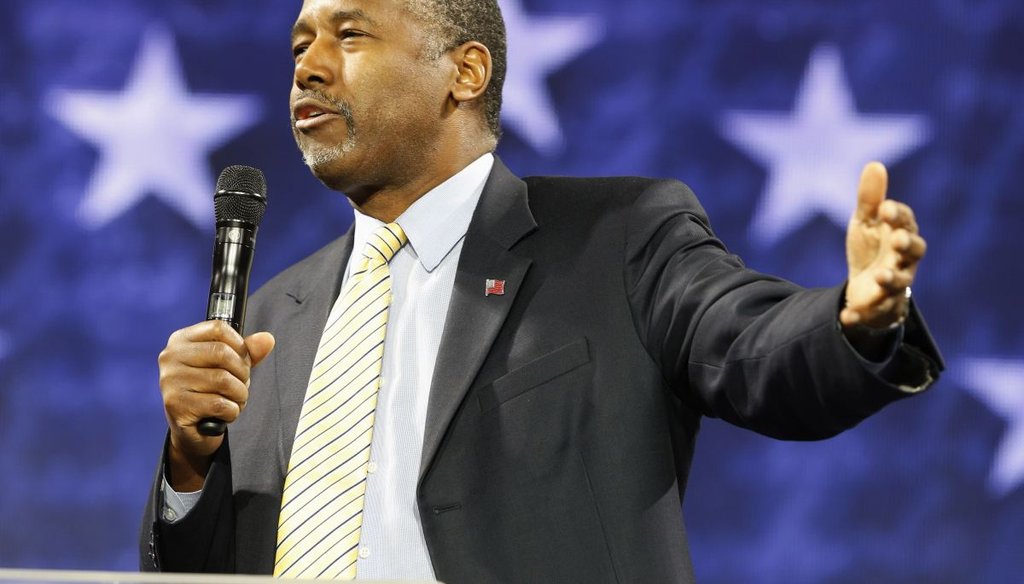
473, 72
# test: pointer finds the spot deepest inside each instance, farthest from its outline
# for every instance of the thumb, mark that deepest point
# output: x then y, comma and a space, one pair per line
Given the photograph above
259, 346
874, 182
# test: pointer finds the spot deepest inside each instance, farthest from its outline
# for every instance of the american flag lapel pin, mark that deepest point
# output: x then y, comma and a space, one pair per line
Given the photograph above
495, 288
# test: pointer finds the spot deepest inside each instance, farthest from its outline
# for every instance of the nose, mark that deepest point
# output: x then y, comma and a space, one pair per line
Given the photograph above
313, 67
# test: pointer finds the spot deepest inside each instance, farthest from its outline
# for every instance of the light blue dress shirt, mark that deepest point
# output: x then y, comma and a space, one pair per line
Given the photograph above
392, 545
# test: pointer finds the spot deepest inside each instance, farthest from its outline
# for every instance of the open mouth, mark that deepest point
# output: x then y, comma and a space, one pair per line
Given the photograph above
308, 114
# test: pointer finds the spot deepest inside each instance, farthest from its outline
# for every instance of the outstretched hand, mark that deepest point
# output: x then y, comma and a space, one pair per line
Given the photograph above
883, 249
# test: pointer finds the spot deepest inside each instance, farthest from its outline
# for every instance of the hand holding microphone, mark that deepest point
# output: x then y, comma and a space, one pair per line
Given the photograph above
205, 368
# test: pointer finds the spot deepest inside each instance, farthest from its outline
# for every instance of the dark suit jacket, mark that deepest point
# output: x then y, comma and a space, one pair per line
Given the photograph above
562, 415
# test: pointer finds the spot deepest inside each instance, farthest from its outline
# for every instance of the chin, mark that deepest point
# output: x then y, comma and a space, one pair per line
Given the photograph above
326, 163
334, 173
322, 157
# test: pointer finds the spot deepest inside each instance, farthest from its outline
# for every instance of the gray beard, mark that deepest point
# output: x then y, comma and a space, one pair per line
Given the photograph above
319, 157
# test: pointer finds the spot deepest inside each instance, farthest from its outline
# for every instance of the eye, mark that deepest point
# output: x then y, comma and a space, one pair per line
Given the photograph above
350, 33
299, 50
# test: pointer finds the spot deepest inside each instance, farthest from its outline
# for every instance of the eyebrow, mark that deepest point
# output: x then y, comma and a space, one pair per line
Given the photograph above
357, 15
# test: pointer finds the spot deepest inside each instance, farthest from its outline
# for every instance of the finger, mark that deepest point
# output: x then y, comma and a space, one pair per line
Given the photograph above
259, 346
903, 251
214, 330
900, 240
849, 317
213, 355
893, 282
185, 380
882, 285
191, 408
898, 216
874, 182
907, 248
917, 249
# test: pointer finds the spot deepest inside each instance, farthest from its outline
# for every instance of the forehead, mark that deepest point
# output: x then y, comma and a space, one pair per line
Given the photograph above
378, 11
404, 18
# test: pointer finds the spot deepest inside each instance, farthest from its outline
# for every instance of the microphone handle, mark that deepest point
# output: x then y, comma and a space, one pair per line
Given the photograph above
229, 289
212, 427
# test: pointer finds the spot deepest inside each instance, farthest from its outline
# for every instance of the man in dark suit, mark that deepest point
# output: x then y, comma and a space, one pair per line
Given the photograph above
551, 347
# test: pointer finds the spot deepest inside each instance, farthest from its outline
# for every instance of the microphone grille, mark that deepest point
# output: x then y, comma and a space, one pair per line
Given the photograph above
241, 195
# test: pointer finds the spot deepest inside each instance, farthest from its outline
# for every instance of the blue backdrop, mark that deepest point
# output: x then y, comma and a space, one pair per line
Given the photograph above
116, 116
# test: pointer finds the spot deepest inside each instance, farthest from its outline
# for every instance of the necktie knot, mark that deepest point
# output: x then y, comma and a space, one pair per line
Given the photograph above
384, 244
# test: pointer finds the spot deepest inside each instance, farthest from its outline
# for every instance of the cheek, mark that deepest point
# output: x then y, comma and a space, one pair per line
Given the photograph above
426, 92
393, 97
407, 94
371, 86
404, 83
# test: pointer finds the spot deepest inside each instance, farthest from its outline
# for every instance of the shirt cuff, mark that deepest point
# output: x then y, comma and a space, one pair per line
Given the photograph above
176, 505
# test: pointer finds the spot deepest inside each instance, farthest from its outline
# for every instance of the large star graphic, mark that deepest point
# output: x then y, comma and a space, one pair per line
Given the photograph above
999, 384
154, 136
815, 154
539, 46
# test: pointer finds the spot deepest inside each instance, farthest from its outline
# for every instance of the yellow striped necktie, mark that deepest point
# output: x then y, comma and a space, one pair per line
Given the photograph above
324, 490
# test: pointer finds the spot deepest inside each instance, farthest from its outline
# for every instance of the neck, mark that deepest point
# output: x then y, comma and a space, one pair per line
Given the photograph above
387, 202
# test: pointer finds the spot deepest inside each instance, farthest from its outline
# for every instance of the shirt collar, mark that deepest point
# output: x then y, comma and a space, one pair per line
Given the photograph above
438, 220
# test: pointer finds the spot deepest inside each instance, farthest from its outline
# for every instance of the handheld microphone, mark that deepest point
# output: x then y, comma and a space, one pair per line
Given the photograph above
239, 204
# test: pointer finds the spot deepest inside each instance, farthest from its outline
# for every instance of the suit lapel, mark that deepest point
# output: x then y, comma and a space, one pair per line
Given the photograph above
501, 219
309, 299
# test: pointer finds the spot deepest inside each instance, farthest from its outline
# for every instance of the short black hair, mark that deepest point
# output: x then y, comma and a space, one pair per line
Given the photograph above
456, 22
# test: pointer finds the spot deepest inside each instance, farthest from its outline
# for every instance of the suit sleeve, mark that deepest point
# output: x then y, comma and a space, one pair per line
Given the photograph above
752, 349
203, 540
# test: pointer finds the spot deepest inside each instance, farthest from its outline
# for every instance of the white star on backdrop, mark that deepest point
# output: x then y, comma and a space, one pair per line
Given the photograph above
539, 46
154, 136
815, 154
999, 384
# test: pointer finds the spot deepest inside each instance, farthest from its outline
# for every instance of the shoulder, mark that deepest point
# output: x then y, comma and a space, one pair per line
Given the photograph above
634, 198
623, 190
604, 187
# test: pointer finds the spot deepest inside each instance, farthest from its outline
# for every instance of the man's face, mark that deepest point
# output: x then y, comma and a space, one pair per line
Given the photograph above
367, 100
